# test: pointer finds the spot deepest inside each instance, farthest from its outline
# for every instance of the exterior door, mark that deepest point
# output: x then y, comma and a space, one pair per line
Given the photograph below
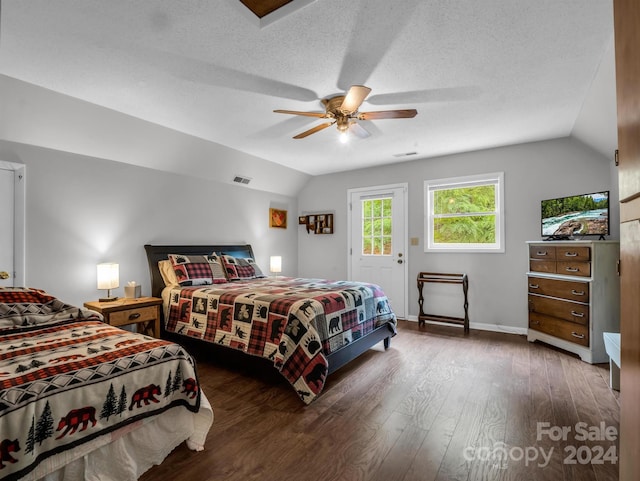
6, 227
378, 241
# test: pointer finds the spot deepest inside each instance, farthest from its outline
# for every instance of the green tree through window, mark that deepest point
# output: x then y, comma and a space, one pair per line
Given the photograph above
376, 226
465, 213
465, 216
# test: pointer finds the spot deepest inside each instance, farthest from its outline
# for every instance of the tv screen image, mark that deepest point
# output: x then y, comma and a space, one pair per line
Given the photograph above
585, 214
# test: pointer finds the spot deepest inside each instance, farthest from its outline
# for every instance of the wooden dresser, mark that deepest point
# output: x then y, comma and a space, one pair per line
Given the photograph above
574, 295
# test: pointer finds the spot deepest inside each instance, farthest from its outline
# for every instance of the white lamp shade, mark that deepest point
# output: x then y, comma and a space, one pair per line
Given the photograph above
108, 275
275, 264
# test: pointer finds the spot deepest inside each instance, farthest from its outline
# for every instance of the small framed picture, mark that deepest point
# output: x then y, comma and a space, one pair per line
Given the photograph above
302, 220
278, 218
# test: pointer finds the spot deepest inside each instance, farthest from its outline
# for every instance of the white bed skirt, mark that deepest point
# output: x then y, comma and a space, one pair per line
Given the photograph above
127, 453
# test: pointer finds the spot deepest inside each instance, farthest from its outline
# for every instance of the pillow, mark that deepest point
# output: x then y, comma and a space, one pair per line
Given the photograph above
24, 307
24, 295
239, 268
194, 270
167, 273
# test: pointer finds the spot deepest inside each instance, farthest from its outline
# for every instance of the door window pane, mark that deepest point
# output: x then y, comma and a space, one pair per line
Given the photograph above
376, 226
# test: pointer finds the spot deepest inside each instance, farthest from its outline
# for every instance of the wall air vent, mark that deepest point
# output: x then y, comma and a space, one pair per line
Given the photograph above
241, 180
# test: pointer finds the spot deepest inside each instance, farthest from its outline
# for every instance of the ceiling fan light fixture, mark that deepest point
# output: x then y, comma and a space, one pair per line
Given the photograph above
342, 123
344, 109
344, 137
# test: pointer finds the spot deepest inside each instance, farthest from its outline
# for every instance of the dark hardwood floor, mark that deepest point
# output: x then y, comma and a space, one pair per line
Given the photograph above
438, 405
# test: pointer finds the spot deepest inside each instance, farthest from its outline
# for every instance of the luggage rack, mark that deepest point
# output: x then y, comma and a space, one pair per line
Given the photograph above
441, 278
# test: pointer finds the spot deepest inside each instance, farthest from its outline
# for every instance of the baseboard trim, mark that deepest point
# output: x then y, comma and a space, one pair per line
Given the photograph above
481, 326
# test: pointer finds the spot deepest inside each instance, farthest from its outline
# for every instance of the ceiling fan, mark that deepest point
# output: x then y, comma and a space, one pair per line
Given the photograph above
343, 110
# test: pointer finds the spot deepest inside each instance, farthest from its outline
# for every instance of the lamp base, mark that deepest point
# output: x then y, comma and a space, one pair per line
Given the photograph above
107, 299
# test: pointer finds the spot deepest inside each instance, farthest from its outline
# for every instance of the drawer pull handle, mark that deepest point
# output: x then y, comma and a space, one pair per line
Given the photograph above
534, 286
577, 293
134, 316
541, 253
572, 269
535, 322
577, 314
579, 336
571, 254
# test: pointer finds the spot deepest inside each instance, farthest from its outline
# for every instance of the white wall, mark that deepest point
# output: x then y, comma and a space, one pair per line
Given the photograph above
82, 210
597, 123
497, 282
36, 116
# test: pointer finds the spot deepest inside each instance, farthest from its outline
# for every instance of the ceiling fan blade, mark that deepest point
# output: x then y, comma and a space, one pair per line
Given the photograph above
358, 130
317, 128
320, 115
354, 98
388, 114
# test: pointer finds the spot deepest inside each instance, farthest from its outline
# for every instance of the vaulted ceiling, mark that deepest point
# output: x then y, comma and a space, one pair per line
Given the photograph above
481, 73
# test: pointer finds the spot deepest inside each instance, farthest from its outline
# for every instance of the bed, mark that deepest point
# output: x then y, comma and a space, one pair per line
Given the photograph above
308, 328
77, 394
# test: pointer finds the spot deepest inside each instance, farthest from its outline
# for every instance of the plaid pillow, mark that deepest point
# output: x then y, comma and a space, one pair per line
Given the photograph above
195, 270
24, 307
257, 272
24, 295
239, 268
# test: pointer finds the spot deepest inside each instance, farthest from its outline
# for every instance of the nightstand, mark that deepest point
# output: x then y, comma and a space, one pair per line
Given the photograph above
144, 312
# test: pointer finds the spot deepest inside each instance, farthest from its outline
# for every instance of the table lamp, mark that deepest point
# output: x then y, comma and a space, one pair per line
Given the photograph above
108, 278
275, 264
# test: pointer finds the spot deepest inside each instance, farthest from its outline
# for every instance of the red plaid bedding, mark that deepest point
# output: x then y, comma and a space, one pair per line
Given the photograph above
292, 322
67, 382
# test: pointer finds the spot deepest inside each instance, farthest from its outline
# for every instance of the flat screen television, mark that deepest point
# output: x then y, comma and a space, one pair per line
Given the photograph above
576, 215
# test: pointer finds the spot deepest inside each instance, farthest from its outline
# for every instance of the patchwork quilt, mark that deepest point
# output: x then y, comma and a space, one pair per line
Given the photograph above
67, 378
293, 322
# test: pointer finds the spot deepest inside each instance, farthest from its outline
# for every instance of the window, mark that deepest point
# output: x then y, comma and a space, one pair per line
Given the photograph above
465, 214
376, 226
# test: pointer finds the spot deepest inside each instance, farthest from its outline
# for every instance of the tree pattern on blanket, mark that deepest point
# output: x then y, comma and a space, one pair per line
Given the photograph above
107, 361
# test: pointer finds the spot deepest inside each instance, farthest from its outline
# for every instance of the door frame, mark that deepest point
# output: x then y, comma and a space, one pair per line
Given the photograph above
19, 221
405, 240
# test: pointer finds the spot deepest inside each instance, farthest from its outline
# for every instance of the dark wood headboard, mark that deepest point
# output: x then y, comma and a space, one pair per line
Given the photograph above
157, 253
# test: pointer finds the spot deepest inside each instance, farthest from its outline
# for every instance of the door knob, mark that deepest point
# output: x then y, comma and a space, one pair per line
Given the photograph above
4, 275
399, 261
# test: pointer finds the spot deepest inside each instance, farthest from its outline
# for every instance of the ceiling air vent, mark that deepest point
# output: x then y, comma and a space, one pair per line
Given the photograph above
241, 180
405, 154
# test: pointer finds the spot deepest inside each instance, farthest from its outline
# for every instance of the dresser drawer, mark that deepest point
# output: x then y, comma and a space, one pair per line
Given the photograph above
581, 253
569, 331
548, 267
565, 260
569, 311
573, 268
542, 252
571, 290
137, 314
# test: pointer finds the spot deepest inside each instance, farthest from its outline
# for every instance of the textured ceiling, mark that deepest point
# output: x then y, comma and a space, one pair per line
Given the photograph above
481, 73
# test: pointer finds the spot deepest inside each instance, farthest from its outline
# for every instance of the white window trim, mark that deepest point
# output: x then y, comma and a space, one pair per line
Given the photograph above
458, 182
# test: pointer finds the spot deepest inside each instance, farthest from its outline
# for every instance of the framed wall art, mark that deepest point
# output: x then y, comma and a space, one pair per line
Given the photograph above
278, 218
317, 223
